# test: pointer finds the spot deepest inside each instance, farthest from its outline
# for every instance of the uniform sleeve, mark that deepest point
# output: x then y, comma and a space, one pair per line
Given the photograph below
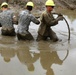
49, 20
15, 18
0, 24
34, 20
0, 21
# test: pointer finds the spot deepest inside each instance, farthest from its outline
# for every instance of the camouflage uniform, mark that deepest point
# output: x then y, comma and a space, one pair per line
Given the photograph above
25, 17
45, 31
6, 20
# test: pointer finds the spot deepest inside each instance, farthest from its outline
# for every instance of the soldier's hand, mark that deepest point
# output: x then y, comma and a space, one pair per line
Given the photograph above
60, 18
60, 14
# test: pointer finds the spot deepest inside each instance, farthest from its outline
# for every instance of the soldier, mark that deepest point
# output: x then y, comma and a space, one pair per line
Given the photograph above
47, 21
25, 17
6, 20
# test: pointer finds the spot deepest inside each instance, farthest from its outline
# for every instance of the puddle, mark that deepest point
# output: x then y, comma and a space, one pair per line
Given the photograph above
40, 58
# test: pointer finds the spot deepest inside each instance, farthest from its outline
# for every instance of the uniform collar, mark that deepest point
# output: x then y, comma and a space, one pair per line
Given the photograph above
28, 11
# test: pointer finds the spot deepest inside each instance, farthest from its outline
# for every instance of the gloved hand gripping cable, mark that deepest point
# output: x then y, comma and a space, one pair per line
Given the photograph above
66, 24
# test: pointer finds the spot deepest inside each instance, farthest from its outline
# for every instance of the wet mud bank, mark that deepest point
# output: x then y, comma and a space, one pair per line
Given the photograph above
67, 4
39, 4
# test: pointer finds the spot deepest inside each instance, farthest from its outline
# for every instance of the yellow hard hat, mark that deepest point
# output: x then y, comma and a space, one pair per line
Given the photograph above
30, 4
50, 3
4, 3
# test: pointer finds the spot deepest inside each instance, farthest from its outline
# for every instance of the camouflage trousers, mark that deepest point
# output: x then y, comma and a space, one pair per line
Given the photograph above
25, 37
8, 32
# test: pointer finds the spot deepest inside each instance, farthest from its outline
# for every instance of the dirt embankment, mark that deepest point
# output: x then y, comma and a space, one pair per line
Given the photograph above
70, 4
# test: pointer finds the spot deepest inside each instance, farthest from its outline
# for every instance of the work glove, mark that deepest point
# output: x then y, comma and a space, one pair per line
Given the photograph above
60, 14
60, 17
0, 25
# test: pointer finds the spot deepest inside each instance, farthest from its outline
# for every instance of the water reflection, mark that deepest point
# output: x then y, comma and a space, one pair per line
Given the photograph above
7, 54
40, 58
7, 40
26, 58
48, 57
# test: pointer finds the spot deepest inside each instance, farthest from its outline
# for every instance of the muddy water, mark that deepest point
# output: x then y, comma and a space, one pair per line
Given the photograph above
40, 58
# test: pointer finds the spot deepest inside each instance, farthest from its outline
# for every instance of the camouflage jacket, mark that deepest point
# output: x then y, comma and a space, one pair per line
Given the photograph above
6, 19
25, 17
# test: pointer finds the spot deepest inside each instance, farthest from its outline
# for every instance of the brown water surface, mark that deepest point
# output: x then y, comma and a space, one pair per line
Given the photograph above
40, 58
